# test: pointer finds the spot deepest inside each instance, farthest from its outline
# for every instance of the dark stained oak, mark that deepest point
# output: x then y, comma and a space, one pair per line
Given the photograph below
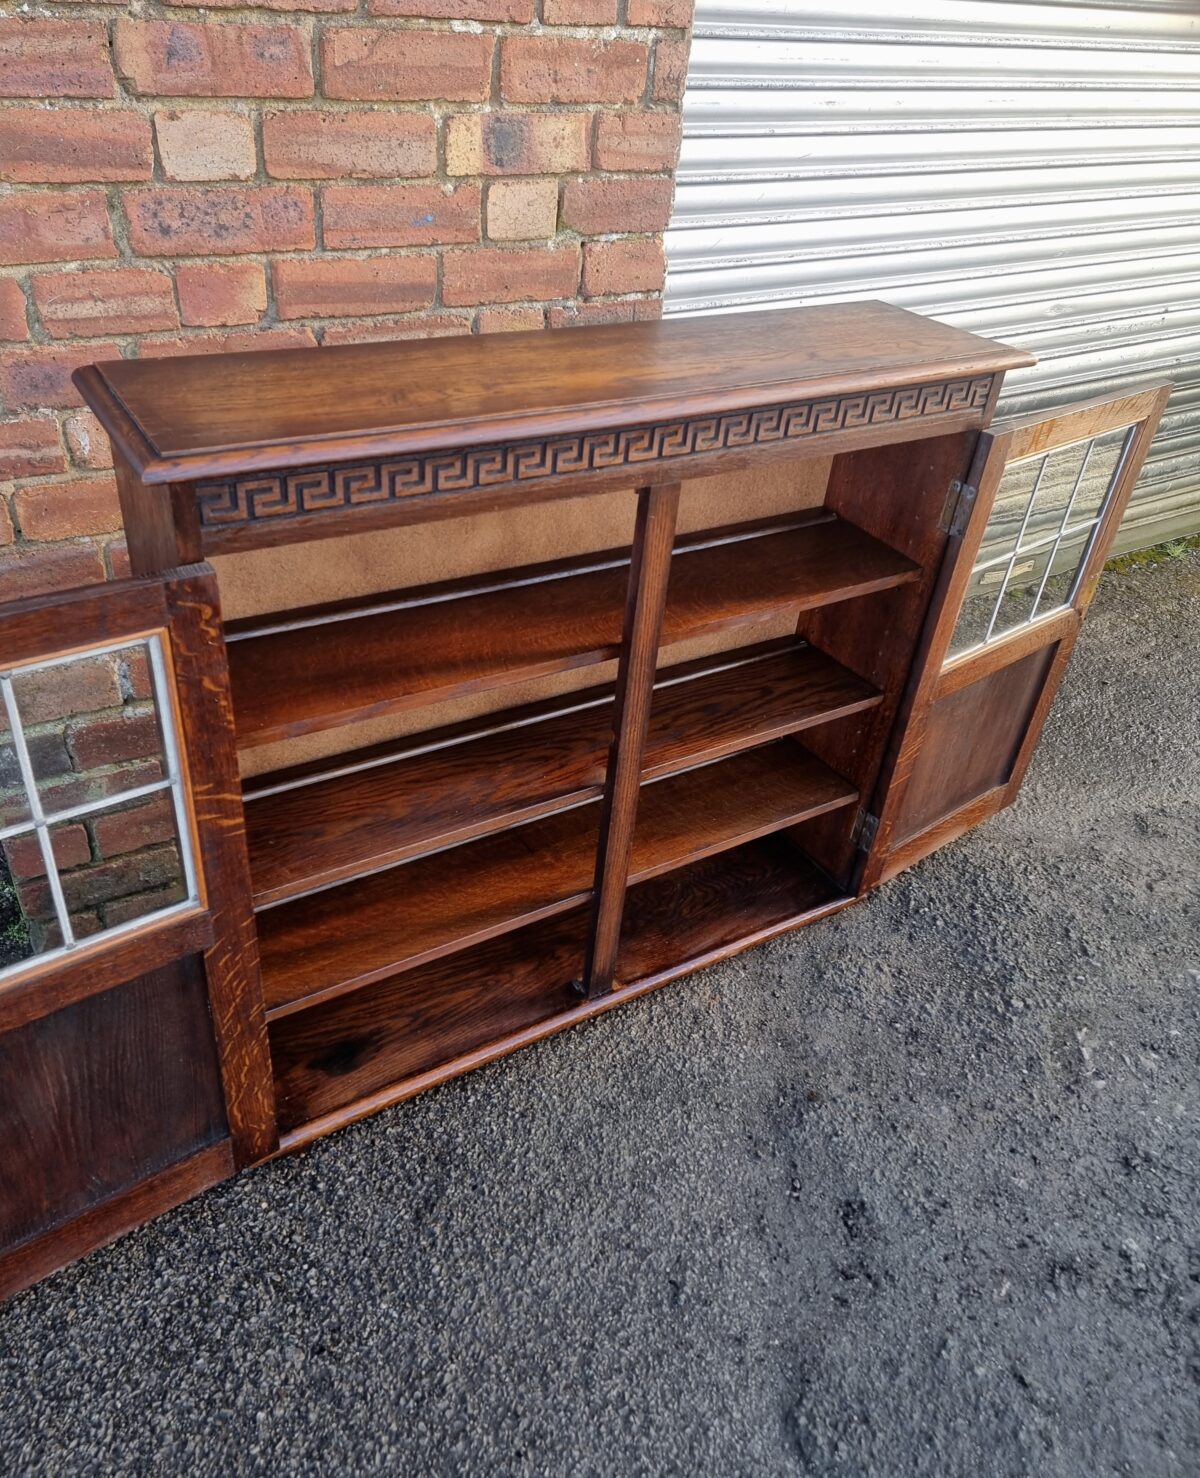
162, 525
972, 739
214, 791
198, 416
481, 777
37, 1257
185, 608
645, 601
344, 938
967, 727
449, 785
378, 1037
102, 1094
744, 697
446, 640
425, 906
899, 499
338, 1061
702, 913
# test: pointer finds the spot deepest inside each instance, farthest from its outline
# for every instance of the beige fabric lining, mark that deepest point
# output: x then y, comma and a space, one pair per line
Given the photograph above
363, 564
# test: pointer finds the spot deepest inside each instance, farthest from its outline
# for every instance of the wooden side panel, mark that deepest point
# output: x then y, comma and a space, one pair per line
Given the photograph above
972, 741
104, 1094
231, 964
898, 498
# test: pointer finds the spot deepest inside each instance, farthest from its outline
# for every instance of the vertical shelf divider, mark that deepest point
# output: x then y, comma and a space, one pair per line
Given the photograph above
645, 601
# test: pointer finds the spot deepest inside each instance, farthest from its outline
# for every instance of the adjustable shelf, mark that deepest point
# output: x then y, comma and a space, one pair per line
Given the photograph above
325, 823
326, 666
345, 938
391, 1040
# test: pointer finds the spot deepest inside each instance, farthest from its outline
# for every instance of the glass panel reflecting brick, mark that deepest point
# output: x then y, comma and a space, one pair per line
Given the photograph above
91, 725
88, 776
15, 942
14, 803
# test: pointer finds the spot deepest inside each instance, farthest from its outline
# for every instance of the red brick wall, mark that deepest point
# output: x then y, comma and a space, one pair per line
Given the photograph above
187, 180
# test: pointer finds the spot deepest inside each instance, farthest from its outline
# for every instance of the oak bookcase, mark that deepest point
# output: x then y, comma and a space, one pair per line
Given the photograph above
782, 708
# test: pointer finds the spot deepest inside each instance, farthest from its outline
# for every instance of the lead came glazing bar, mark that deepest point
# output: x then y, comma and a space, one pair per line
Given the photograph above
166, 729
987, 636
1062, 528
29, 781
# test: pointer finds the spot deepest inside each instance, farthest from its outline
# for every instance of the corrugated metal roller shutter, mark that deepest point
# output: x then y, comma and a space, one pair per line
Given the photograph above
1028, 170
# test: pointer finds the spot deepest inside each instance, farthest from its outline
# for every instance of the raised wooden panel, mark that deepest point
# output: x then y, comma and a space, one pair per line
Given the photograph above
972, 741
104, 1094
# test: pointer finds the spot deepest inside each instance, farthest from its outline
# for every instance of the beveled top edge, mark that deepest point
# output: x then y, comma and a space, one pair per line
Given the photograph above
386, 399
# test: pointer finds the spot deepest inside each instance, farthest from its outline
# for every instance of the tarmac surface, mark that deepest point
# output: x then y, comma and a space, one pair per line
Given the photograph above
915, 1191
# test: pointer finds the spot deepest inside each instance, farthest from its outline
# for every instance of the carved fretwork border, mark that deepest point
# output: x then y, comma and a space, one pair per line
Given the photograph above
269, 496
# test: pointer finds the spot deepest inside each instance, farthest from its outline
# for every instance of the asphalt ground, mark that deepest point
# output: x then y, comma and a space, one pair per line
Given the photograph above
914, 1191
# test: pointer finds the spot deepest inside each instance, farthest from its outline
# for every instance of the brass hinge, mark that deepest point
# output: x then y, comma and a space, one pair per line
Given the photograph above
957, 511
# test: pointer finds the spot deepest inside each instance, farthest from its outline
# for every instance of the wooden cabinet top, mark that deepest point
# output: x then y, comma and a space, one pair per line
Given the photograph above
214, 415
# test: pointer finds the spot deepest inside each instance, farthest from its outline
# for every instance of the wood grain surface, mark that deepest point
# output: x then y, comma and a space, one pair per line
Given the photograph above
197, 415
470, 635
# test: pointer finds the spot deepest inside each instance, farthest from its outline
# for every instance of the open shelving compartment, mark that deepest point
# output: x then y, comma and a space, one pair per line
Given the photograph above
554, 665
425, 903
502, 679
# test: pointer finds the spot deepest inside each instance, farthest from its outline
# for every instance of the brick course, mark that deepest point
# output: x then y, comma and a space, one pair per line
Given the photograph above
70, 145
184, 179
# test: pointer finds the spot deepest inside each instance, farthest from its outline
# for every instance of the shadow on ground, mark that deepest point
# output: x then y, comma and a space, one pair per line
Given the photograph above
913, 1192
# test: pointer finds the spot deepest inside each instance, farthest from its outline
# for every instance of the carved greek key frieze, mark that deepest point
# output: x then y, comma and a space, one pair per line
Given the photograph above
255, 497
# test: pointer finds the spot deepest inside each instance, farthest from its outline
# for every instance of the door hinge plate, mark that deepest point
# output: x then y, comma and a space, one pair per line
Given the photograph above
960, 500
868, 828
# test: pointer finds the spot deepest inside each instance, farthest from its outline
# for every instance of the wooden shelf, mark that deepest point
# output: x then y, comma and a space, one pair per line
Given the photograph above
344, 938
326, 666
702, 913
333, 1054
395, 1037
308, 828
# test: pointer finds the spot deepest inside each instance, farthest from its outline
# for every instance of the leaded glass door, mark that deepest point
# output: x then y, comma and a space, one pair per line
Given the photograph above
133, 1055
1044, 501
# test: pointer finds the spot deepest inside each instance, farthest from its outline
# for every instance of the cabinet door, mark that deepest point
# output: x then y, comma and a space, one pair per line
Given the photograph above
133, 1056
1044, 501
